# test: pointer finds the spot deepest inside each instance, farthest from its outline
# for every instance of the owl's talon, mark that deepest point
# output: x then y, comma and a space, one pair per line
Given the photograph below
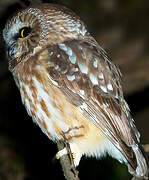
74, 130
76, 155
61, 153
73, 156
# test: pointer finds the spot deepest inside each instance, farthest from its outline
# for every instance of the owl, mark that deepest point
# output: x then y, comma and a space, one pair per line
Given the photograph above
68, 84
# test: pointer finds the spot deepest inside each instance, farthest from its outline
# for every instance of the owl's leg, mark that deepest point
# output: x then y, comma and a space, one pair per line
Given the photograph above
73, 132
71, 148
75, 153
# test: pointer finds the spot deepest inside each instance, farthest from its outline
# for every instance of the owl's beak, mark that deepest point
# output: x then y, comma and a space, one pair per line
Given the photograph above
12, 49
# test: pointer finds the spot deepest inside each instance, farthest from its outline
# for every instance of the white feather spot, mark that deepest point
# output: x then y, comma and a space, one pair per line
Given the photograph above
84, 106
54, 82
105, 105
94, 116
117, 97
95, 63
56, 67
80, 47
27, 105
110, 87
76, 69
71, 78
40, 113
48, 98
58, 55
72, 59
43, 95
69, 51
40, 91
51, 53
104, 89
37, 49
63, 47
93, 79
38, 67
83, 30
84, 54
101, 76
28, 78
29, 92
83, 68
82, 92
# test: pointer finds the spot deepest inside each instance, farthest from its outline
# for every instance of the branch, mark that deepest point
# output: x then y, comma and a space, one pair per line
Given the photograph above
69, 170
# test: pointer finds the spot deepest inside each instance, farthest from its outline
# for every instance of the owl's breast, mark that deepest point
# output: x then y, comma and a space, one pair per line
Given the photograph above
42, 107
47, 104
49, 108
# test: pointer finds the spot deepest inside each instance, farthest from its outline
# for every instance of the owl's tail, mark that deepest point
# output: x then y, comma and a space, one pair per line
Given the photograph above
141, 170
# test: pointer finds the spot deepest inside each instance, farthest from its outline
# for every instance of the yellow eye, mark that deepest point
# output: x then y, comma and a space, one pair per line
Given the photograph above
22, 35
25, 31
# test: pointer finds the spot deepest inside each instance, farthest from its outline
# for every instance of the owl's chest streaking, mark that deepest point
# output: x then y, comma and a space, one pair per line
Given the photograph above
48, 106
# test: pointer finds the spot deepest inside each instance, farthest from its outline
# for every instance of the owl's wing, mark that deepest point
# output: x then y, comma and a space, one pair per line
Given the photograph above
85, 75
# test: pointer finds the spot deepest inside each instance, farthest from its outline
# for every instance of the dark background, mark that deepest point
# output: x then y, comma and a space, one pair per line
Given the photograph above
122, 28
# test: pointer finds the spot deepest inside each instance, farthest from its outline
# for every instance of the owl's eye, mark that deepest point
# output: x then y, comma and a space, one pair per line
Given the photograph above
25, 31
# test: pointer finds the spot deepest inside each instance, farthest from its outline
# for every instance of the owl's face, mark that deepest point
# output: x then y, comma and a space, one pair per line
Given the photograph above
35, 27
22, 36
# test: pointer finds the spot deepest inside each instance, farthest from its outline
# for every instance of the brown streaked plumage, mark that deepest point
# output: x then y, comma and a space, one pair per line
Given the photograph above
68, 84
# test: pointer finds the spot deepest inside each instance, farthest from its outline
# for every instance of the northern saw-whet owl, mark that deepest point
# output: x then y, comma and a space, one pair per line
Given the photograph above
68, 84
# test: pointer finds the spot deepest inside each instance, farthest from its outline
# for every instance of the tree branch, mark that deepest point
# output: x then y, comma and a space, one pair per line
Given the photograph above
69, 170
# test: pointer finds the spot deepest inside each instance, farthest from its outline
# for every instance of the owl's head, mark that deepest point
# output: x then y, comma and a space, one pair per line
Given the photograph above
38, 26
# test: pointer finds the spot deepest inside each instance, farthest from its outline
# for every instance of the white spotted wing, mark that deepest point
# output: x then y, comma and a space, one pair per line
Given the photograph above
91, 82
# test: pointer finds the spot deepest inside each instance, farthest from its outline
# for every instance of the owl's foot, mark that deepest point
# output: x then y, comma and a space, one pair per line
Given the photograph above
71, 148
75, 155
72, 132
73, 129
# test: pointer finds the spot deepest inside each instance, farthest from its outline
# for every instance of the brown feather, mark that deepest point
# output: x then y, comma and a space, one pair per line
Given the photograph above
106, 107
